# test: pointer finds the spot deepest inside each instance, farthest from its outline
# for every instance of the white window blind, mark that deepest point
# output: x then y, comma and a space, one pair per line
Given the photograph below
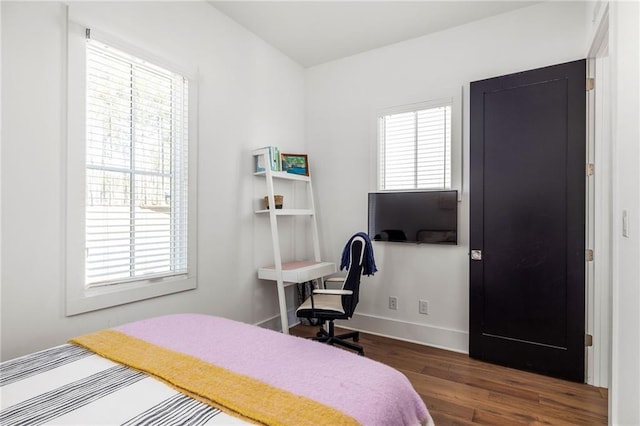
415, 149
136, 168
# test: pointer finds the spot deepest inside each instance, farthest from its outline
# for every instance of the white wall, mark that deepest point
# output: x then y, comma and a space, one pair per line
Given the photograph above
341, 139
614, 39
624, 33
250, 96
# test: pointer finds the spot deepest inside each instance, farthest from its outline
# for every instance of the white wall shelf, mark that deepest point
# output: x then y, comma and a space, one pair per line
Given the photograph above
288, 212
287, 273
283, 175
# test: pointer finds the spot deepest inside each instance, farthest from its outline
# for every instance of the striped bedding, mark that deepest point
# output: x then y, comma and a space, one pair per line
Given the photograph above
70, 385
191, 369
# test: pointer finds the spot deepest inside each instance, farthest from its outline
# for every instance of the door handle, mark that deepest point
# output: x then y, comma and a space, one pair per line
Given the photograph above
476, 254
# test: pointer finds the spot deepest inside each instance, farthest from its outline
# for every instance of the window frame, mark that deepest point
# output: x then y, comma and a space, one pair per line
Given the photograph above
80, 297
433, 99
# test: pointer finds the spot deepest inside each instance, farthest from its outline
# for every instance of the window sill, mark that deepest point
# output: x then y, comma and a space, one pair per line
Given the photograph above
94, 299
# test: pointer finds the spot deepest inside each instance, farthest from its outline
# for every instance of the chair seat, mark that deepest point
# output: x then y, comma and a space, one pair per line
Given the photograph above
322, 302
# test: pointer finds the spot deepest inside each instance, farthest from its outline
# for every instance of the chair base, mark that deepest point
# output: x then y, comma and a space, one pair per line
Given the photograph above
330, 338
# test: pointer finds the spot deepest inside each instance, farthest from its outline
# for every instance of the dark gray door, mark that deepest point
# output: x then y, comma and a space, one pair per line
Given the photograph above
527, 208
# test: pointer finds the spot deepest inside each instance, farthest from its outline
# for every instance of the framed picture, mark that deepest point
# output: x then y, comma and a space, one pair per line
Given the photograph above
295, 163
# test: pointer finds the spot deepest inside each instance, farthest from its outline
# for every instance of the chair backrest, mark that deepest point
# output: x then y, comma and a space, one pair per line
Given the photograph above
354, 272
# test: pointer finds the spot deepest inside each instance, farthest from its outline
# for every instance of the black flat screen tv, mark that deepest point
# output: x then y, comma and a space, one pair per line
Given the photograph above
429, 217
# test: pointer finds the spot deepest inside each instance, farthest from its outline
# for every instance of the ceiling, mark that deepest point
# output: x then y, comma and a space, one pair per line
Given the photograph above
314, 32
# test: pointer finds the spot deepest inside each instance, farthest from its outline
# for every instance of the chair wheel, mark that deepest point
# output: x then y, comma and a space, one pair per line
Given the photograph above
319, 334
356, 338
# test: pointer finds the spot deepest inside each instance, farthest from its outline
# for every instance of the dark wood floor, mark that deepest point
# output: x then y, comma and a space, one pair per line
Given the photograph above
459, 390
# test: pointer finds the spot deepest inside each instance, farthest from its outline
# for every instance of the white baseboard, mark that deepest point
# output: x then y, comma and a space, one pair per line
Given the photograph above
273, 323
443, 338
439, 337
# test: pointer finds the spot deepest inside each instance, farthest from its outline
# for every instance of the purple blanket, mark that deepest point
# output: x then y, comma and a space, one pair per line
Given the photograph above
370, 392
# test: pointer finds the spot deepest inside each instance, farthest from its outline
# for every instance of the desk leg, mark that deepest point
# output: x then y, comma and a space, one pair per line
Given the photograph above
282, 301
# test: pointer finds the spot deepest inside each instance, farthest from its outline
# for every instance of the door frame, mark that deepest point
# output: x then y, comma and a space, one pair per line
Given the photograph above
599, 212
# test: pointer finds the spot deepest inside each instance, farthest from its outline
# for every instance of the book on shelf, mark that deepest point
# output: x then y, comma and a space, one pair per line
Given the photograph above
274, 160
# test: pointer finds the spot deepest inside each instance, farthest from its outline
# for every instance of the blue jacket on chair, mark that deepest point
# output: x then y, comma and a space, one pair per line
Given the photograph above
368, 263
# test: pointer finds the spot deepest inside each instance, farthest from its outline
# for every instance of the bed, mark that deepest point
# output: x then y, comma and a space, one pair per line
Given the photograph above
199, 369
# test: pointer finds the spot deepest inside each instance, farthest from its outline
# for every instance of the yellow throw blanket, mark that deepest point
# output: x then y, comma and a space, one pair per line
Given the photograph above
231, 392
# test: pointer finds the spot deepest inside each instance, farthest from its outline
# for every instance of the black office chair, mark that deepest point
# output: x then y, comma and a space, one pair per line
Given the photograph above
327, 305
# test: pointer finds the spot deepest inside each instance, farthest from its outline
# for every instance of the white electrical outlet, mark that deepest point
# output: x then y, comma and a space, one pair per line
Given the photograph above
423, 307
393, 303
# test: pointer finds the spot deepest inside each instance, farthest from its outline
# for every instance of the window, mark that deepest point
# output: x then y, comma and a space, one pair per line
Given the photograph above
136, 166
415, 148
134, 147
